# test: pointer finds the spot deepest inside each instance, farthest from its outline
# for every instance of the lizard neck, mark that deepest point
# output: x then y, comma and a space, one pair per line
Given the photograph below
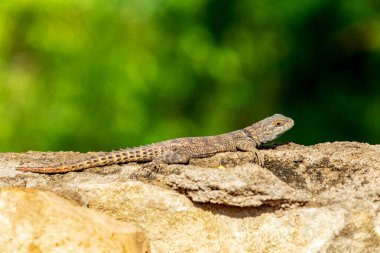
245, 134
248, 135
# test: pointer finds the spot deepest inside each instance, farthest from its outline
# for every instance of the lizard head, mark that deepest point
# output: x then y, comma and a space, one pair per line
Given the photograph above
270, 128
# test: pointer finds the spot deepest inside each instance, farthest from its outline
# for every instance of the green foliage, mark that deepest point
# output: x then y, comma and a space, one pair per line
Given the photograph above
98, 75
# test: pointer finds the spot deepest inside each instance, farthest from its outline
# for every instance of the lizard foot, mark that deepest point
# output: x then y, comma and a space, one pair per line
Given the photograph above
259, 158
148, 170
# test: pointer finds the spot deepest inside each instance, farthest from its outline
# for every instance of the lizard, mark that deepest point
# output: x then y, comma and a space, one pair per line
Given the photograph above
180, 150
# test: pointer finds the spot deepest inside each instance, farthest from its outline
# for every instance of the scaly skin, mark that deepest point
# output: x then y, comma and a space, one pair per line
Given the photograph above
182, 149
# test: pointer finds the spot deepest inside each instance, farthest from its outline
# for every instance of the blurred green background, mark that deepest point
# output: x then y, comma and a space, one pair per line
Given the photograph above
102, 75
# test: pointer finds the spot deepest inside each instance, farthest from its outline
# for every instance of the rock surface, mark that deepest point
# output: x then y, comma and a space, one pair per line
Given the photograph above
37, 221
321, 198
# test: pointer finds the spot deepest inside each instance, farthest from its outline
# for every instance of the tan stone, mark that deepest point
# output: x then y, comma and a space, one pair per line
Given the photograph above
37, 221
320, 198
175, 225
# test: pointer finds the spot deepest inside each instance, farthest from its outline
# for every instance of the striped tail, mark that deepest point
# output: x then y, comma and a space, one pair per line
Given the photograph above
138, 154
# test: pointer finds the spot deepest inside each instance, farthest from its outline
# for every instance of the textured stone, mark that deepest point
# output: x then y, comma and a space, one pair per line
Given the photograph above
248, 185
36, 221
320, 198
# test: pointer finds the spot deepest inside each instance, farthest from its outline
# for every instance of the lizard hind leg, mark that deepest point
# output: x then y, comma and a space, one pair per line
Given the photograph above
173, 156
168, 157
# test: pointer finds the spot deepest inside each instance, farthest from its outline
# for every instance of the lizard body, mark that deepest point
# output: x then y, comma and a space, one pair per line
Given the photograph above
182, 149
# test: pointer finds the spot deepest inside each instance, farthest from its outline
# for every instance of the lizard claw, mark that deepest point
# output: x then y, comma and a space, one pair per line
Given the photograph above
259, 158
151, 168
148, 170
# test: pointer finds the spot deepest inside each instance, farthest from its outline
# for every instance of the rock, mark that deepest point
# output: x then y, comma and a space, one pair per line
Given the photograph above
249, 185
320, 198
36, 221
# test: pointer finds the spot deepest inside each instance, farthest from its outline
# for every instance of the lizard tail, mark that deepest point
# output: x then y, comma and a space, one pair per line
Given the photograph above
140, 154
94, 161
50, 170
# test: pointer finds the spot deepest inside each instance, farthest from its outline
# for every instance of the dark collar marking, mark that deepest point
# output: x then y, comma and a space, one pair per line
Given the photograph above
247, 134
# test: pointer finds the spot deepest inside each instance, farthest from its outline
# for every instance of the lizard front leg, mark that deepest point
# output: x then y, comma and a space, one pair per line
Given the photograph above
250, 146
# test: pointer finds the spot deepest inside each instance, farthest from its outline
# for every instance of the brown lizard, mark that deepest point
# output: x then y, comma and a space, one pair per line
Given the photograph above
182, 149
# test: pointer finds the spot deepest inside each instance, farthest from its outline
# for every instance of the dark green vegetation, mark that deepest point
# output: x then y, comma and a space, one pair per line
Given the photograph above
101, 75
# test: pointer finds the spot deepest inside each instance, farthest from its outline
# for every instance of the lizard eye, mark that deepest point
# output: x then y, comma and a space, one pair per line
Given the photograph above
278, 123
